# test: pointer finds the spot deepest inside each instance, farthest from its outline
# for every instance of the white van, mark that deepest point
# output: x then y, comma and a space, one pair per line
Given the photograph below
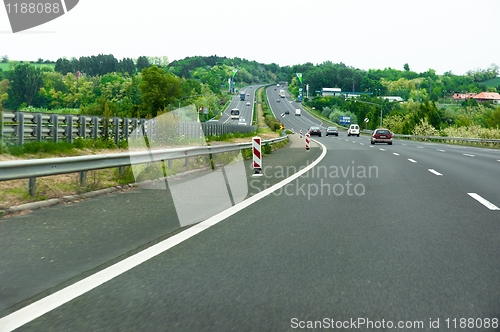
353, 130
297, 111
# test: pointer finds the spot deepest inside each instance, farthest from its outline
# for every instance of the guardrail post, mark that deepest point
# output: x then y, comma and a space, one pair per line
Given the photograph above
54, 119
19, 118
105, 129
95, 127
134, 127
116, 130
125, 130
69, 128
37, 130
83, 179
169, 163
32, 186
82, 132
150, 130
121, 170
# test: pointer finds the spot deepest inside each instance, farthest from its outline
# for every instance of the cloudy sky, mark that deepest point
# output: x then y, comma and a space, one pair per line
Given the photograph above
445, 35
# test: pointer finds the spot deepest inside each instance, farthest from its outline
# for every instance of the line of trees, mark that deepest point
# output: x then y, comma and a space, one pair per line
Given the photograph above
101, 65
101, 84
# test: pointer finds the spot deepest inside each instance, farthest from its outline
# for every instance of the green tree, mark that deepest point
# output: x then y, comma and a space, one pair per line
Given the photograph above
25, 84
142, 62
493, 120
158, 90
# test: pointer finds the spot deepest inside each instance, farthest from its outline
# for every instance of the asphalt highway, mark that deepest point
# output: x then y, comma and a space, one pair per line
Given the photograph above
403, 237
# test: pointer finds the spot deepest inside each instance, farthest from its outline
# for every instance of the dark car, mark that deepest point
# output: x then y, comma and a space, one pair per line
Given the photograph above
332, 131
315, 131
287, 112
381, 135
277, 100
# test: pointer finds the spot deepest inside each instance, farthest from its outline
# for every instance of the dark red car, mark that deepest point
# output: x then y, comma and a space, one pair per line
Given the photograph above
381, 135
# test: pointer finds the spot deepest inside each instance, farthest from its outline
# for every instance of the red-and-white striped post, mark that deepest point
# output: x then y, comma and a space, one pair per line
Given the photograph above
257, 156
308, 139
301, 133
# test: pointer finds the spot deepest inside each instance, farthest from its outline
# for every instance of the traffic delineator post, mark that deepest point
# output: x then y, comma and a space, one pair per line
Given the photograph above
301, 133
257, 156
308, 140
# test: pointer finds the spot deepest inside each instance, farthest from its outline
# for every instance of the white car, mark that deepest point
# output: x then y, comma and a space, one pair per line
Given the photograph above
242, 122
353, 130
248, 103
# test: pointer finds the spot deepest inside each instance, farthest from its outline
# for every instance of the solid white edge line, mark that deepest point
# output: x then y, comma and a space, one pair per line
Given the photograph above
51, 302
434, 171
483, 201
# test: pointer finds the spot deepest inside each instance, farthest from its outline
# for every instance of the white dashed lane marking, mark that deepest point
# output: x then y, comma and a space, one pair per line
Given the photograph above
434, 171
483, 201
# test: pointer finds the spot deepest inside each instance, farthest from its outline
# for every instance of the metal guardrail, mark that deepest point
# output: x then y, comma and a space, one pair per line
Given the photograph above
450, 139
33, 168
20, 127
442, 138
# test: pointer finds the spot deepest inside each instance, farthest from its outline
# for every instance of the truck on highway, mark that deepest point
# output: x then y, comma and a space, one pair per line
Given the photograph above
242, 96
282, 93
297, 112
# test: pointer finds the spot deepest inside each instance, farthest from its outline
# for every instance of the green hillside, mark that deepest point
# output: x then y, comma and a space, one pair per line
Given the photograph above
5, 66
494, 82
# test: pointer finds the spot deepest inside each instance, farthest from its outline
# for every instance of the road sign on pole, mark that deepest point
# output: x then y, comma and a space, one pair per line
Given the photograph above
345, 120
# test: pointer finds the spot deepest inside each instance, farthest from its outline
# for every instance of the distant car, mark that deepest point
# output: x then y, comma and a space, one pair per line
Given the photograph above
332, 131
248, 95
242, 122
381, 135
353, 130
315, 131
287, 112
248, 103
277, 100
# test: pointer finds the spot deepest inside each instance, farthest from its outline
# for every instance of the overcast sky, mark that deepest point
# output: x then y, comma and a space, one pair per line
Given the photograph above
445, 35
